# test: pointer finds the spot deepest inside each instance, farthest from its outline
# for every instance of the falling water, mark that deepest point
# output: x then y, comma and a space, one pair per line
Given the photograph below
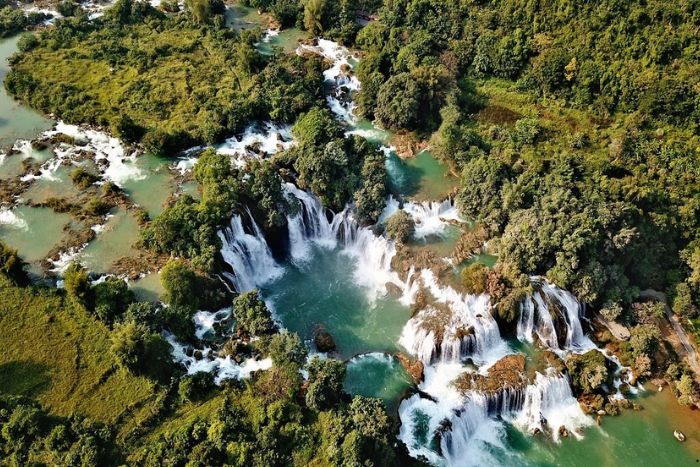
248, 255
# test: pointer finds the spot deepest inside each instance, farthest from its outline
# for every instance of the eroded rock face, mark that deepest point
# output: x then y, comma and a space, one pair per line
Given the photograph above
413, 366
508, 372
324, 340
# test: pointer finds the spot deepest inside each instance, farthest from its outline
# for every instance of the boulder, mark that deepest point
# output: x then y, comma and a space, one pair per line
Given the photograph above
413, 366
324, 340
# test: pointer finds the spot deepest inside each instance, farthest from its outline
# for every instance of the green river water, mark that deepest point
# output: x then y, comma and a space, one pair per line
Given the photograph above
322, 292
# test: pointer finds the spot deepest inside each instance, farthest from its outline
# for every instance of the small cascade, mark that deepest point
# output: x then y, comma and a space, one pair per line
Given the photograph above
430, 217
549, 404
338, 76
314, 224
536, 317
470, 426
257, 141
457, 327
248, 254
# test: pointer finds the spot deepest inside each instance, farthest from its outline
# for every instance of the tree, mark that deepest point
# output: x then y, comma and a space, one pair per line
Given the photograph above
136, 349
644, 339
181, 285
111, 299
683, 304
75, 281
611, 311
287, 349
313, 16
252, 315
398, 103
11, 265
317, 127
400, 226
325, 383
474, 278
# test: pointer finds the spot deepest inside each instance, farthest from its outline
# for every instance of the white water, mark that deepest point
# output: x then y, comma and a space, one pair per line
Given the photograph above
248, 255
10, 218
431, 217
257, 142
314, 224
112, 160
456, 314
223, 367
536, 318
339, 76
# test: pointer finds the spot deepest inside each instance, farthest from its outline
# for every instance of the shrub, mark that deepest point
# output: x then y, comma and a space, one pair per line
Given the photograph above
400, 227
325, 383
475, 278
252, 315
195, 387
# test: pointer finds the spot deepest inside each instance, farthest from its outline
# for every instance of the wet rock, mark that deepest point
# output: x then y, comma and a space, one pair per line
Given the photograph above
393, 290
563, 432
413, 366
508, 372
323, 340
198, 355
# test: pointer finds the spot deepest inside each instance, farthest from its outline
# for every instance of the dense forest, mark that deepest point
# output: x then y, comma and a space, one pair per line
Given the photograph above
574, 130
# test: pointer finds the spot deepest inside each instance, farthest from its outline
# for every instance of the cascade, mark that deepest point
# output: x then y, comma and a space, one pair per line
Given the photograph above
248, 255
466, 327
430, 217
536, 317
314, 224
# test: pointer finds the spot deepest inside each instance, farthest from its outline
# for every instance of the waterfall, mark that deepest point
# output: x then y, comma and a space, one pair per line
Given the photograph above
463, 322
470, 426
338, 77
536, 317
314, 224
248, 255
549, 403
430, 217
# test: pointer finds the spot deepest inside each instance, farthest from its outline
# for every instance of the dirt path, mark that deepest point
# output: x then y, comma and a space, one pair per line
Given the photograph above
690, 353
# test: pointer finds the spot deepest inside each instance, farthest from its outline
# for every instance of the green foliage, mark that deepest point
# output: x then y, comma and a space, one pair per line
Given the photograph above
474, 278
334, 168
195, 387
252, 315
644, 339
398, 103
14, 20
611, 311
400, 227
76, 283
82, 178
32, 436
683, 303
325, 388
11, 265
181, 285
140, 351
588, 372
164, 81
111, 298
286, 349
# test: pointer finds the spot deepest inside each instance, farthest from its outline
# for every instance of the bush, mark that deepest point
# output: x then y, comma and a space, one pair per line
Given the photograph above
325, 383
181, 285
287, 350
75, 281
611, 311
683, 303
475, 278
136, 349
111, 298
252, 315
400, 227
644, 339
195, 387
12, 266
82, 178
